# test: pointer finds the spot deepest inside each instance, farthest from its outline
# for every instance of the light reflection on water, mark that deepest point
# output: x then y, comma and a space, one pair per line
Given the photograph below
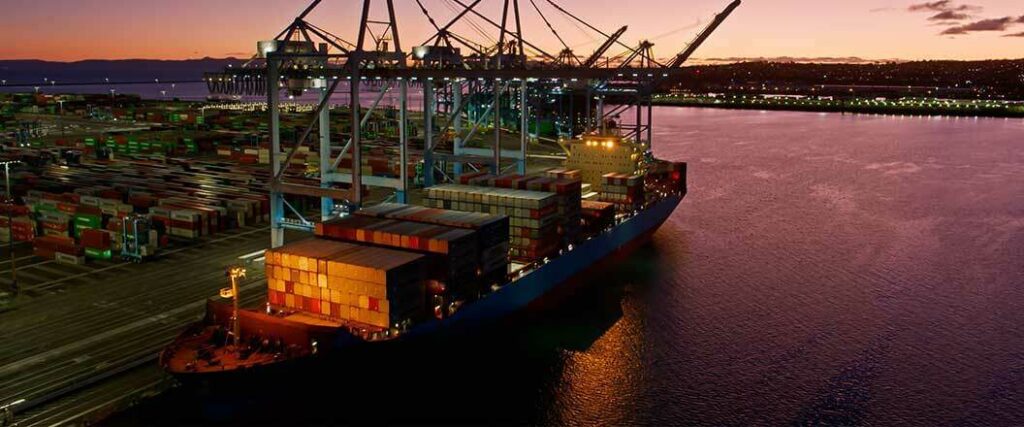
835, 269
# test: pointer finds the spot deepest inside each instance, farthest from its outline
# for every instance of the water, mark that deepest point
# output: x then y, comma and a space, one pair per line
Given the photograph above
826, 269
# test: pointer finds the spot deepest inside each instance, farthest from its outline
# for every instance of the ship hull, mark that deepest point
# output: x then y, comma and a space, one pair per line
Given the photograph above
540, 289
545, 284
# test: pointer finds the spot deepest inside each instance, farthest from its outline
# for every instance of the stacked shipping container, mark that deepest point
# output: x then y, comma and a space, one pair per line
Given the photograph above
597, 216
533, 216
625, 191
347, 282
454, 250
492, 231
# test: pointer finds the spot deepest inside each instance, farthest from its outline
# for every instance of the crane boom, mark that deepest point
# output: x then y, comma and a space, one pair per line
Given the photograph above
309, 9
719, 19
604, 48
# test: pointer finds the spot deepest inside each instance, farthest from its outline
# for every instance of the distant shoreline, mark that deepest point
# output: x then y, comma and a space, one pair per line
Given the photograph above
996, 109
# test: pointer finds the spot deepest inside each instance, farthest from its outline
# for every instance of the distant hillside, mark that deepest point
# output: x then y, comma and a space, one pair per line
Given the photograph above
91, 71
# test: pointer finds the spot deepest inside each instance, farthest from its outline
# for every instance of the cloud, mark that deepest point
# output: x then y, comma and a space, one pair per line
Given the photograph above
949, 15
1014, 35
935, 6
996, 24
943, 6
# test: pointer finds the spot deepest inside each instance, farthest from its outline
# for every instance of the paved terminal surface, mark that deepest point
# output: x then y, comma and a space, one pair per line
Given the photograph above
82, 341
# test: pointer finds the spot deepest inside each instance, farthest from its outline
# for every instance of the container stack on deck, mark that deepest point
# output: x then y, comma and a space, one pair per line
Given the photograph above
564, 184
347, 282
492, 231
666, 177
597, 216
376, 267
533, 216
455, 252
626, 192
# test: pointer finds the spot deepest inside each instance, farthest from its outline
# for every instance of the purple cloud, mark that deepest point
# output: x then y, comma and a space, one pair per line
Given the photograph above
997, 24
935, 6
949, 15
1014, 35
943, 6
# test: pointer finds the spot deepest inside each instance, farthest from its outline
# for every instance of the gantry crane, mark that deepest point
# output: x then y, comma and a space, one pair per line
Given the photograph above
501, 71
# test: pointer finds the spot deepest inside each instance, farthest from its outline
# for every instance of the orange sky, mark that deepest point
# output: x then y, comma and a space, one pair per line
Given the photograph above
875, 29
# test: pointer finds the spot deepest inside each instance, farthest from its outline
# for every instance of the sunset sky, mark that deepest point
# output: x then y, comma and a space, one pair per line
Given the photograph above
68, 30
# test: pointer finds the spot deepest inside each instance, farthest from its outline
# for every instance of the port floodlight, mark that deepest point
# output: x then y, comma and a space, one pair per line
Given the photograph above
266, 47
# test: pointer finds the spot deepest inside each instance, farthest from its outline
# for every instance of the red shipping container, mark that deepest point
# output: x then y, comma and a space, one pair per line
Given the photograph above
67, 208
96, 239
466, 177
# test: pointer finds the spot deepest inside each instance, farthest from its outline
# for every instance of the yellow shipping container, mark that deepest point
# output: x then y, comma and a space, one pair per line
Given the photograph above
321, 280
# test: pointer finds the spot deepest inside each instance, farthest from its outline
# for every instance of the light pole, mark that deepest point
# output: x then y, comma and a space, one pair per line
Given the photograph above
234, 273
10, 224
61, 117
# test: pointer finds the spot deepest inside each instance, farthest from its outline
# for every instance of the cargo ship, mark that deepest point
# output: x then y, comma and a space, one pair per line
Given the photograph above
470, 254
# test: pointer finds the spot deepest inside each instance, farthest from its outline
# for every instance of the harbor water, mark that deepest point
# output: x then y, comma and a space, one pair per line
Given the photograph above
825, 269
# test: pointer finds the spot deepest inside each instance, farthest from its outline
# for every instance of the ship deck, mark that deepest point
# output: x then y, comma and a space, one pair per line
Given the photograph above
203, 353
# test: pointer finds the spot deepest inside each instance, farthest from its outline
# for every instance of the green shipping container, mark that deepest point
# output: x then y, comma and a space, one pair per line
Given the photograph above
87, 220
93, 253
43, 208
